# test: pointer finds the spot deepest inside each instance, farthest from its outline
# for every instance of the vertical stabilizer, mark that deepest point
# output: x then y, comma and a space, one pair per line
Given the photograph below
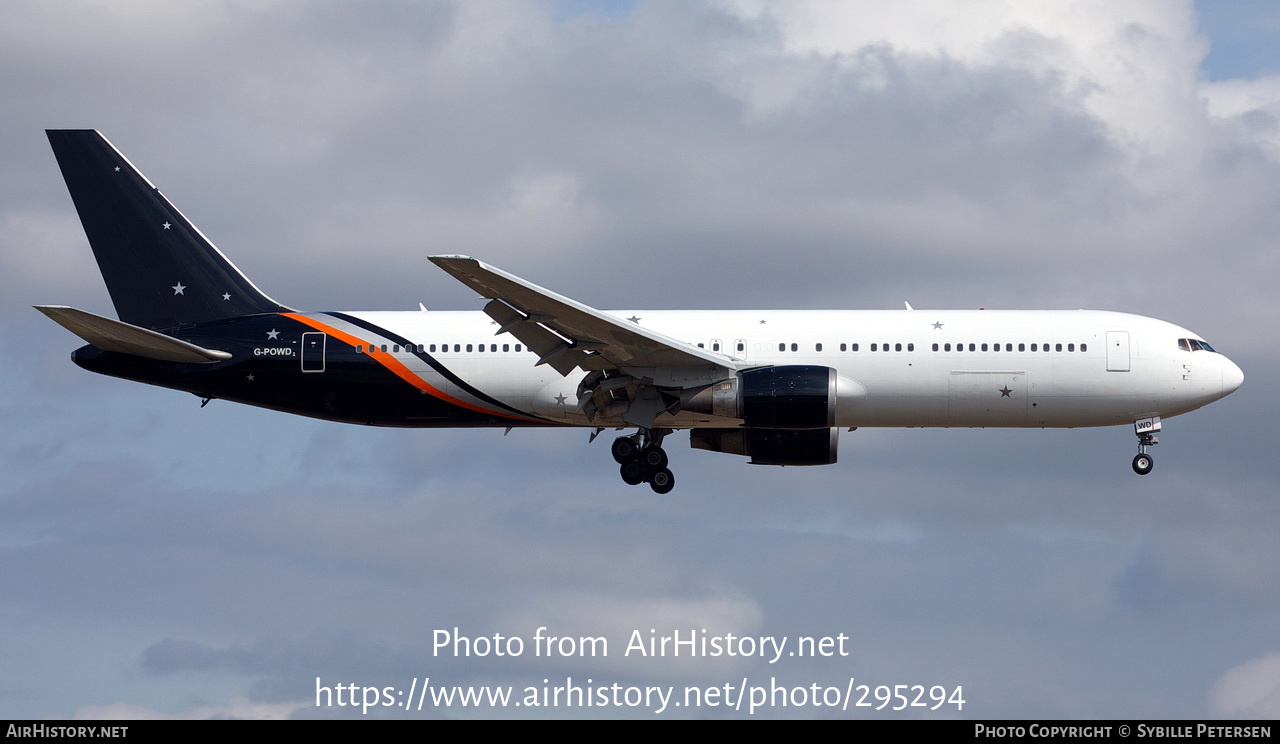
161, 271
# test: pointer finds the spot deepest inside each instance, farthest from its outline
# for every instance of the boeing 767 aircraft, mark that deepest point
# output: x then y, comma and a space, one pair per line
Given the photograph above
772, 385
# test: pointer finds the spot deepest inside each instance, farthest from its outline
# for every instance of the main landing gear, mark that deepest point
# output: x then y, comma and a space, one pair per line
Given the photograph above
643, 460
1146, 430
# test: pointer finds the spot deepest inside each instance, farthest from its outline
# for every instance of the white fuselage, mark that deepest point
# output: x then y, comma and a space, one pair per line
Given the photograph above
1009, 368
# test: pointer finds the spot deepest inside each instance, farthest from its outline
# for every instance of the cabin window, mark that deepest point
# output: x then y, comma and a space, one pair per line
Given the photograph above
1058, 347
1071, 347
715, 346
816, 347
844, 347
795, 347
1084, 347
742, 346
854, 347
873, 347
782, 347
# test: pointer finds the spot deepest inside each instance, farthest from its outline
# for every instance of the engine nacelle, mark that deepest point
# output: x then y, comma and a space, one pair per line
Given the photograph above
785, 397
772, 446
791, 397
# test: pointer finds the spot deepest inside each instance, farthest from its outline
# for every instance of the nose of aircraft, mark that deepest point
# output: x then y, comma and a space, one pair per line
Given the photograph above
1232, 376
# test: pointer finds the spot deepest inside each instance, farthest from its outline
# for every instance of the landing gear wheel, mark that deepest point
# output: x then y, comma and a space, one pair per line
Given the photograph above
653, 458
1142, 464
662, 481
624, 449
632, 473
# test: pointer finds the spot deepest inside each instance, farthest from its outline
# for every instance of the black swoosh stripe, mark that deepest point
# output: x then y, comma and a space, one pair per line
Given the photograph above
434, 363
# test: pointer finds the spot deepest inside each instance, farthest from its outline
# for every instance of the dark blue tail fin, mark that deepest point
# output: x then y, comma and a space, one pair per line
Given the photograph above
162, 273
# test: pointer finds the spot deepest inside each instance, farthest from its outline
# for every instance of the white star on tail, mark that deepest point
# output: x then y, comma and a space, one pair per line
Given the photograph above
178, 289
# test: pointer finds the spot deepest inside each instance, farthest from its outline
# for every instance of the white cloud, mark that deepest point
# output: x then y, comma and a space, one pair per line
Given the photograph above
1250, 690
238, 708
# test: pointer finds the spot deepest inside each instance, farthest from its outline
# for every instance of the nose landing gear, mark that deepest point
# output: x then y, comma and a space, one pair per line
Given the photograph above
1146, 430
642, 460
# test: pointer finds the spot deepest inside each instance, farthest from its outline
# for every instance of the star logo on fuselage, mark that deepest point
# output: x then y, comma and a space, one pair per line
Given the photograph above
1004, 391
179, 289
634, 319
560, 399
937, 326
273, 334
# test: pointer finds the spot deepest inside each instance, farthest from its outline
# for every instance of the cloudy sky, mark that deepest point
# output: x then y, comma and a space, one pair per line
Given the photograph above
159, 559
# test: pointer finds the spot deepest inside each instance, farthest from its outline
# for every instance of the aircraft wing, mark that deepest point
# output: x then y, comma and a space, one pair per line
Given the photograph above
566, 333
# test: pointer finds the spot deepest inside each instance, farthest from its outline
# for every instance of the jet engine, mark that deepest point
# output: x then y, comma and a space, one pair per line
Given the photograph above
788, 413
771, 446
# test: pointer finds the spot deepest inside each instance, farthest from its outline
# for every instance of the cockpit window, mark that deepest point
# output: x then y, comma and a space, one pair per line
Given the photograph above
1193, 344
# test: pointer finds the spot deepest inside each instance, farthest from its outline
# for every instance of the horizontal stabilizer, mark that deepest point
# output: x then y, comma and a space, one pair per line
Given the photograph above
113, 335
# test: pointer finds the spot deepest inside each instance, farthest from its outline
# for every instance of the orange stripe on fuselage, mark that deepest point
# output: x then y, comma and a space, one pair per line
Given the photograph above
396, 366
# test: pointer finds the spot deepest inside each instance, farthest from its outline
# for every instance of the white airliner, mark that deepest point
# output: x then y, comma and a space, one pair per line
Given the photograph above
772, 385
